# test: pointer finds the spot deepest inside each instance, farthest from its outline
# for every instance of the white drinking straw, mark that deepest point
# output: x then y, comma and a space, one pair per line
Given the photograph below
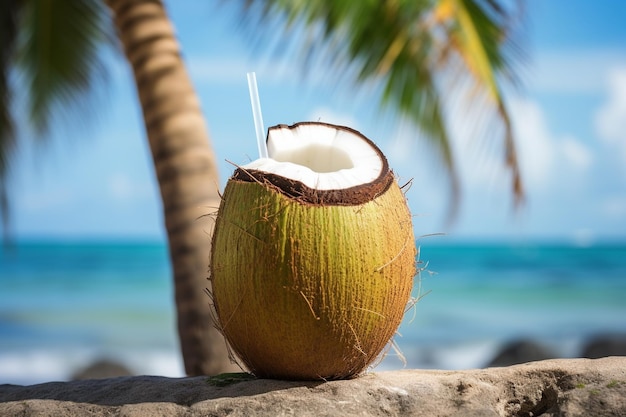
256, 113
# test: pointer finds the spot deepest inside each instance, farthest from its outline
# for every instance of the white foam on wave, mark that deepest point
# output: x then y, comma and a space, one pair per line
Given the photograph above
27, 367
453, 356
30, 367
466, 356
168, 364
35, 366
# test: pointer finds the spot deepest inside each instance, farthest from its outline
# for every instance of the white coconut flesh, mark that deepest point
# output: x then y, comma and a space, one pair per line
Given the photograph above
321, 156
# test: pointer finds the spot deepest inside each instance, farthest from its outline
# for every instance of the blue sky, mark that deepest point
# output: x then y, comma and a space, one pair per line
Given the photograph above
95, 179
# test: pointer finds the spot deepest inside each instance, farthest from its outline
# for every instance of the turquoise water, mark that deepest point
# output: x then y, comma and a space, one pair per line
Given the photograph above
63, 305
482, 296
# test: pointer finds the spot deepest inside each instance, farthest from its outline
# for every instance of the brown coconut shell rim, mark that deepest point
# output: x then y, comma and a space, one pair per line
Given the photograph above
296, 190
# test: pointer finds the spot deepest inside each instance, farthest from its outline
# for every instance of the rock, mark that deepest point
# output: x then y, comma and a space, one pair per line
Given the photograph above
102, 368
603, 346
521, 351
560, 387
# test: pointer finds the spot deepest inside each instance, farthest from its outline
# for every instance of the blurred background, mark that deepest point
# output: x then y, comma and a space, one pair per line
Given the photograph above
88, 277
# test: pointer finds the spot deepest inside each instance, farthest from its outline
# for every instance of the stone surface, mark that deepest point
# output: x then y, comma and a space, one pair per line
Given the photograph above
561, 387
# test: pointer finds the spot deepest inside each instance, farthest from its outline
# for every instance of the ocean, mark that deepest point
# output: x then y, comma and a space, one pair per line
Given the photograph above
64, 305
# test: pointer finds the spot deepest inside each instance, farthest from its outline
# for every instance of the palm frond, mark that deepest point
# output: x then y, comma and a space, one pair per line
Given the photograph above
9, 11
476, 32
409, 47
58, 53
50, 59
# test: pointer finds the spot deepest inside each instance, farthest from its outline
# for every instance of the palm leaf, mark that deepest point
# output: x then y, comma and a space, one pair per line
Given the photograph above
58, 54
50, 51
9, 11
476, 37
408, 47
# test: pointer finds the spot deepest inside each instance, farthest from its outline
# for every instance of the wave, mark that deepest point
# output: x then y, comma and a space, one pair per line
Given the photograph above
28, 367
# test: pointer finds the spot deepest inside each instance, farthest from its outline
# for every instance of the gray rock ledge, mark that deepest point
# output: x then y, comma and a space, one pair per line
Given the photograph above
560, 387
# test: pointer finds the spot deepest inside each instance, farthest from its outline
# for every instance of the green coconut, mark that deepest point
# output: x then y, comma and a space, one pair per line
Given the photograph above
313, 255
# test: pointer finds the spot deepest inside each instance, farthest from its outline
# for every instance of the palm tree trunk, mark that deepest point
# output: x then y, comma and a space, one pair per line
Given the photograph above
185, 167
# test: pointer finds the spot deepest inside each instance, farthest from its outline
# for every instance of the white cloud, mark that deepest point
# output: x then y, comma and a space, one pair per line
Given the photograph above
573, 71
402, 146
234, 69
37, 200
213, 70
407, 152
535, 144
546, 159
122, 187
610, 119
614, 207
327, 115
576, 153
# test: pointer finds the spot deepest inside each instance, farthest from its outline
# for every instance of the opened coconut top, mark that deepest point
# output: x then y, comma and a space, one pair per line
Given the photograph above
320, 163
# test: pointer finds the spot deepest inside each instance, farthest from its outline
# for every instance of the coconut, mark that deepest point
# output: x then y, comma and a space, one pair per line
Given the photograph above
313, 255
